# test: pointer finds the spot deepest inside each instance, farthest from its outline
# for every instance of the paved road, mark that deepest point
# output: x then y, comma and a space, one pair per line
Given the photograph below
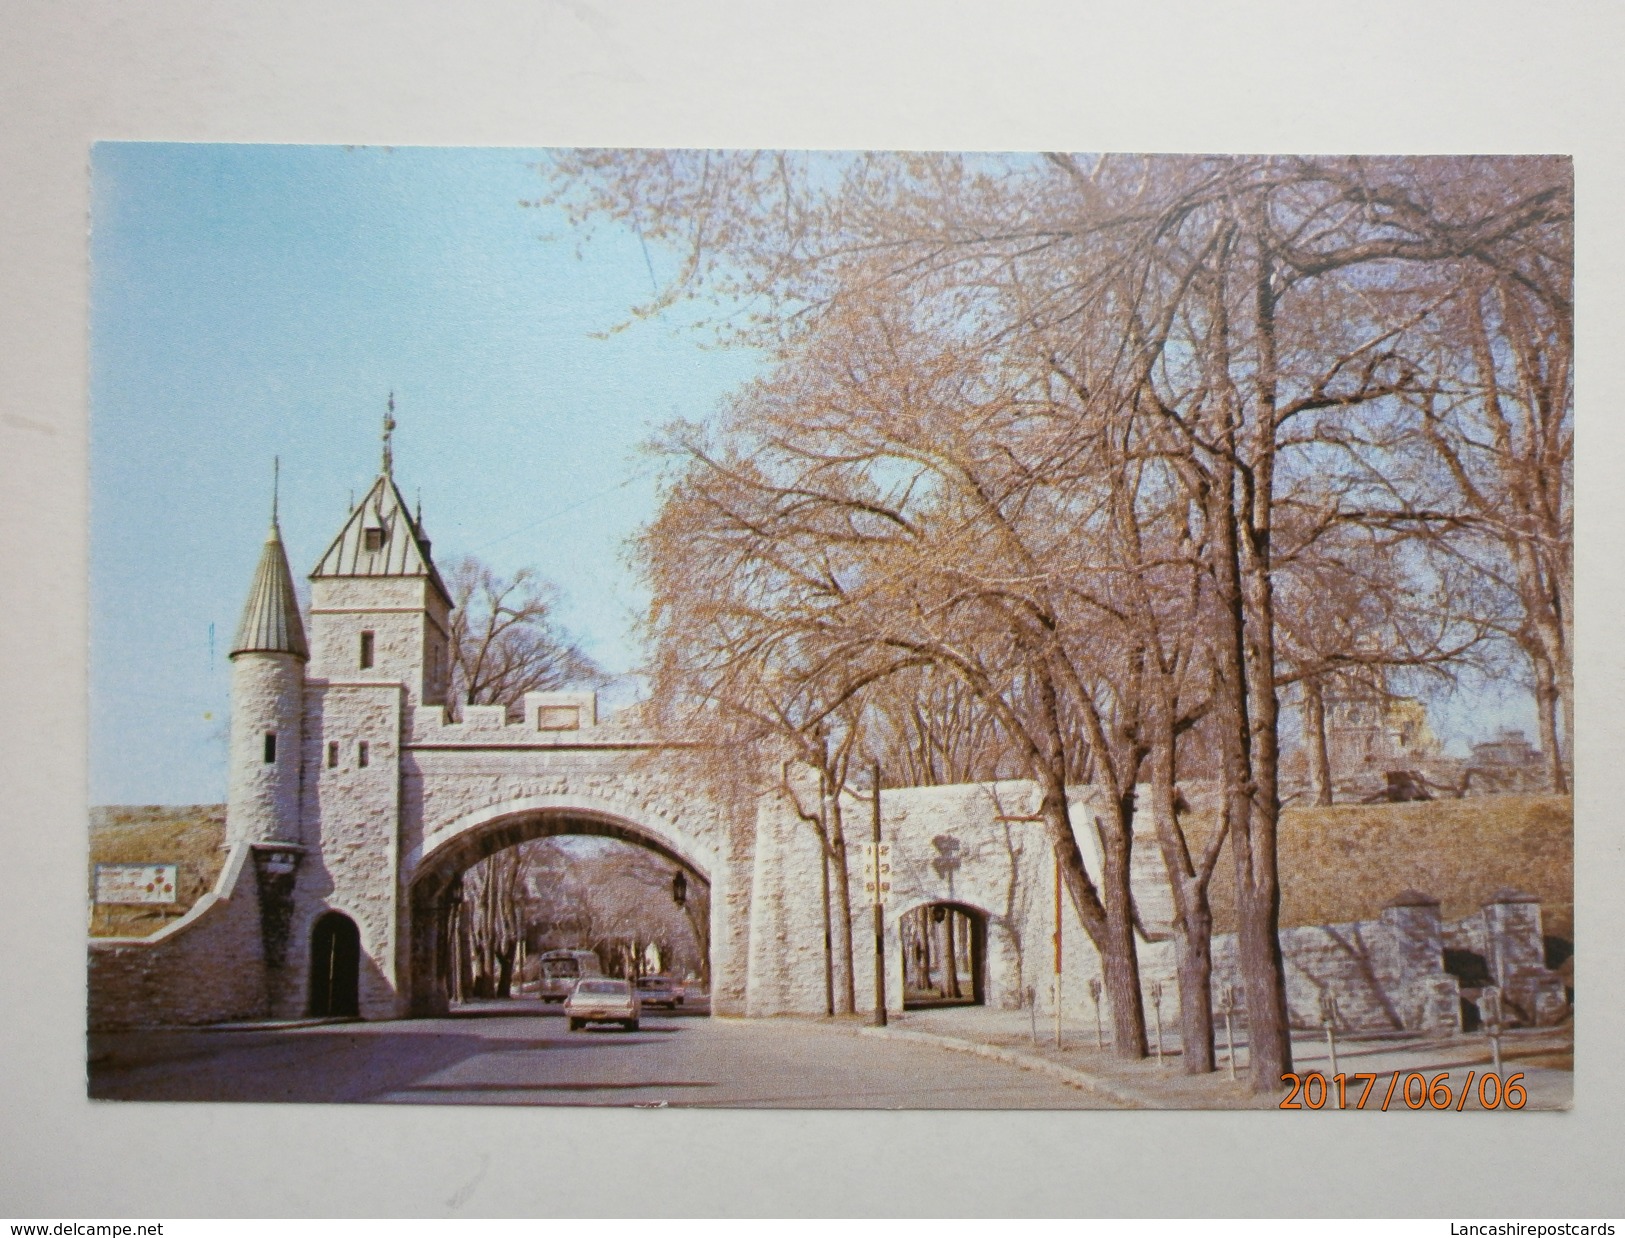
518, 1054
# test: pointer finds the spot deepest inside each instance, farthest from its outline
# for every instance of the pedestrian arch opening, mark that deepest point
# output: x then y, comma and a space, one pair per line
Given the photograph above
335, 966
944, 955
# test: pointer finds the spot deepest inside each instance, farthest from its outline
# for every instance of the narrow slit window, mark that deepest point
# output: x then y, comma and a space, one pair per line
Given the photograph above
366, 651
270, 747
332, 754
361, 754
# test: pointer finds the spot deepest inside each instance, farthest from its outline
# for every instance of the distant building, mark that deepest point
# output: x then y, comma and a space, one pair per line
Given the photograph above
1377, 732
1370, 738
1381, 747
1507, 764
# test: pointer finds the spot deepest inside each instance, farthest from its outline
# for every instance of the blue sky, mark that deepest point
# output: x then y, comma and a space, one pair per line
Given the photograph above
256, 301
250, 302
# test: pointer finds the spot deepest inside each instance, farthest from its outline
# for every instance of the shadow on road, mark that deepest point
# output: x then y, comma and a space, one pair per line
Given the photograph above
454, 1088
328, 1064
530, 1007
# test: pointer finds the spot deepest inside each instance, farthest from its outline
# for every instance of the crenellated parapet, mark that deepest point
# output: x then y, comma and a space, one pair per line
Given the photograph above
547, 720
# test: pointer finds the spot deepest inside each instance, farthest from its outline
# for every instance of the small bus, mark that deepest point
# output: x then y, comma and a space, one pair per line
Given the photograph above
562, 968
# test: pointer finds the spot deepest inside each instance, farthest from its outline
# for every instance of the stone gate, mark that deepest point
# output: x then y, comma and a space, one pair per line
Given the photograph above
356, 802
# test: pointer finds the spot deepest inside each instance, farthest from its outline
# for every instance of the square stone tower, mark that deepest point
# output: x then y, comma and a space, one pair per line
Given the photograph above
379, 647
379, 611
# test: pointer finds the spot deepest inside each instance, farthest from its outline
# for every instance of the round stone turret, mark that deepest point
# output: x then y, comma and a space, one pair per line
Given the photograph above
267, 706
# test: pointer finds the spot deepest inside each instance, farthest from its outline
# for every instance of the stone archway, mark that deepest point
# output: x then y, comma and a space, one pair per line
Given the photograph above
449, 853
335, 966
944, 946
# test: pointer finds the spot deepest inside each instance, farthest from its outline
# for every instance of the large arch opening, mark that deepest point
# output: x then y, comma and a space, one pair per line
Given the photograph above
944, 955
454, 888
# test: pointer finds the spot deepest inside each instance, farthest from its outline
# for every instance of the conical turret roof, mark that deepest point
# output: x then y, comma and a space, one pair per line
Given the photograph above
271, 621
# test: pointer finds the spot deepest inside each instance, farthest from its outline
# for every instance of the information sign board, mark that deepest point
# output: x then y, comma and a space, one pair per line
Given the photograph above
136, 883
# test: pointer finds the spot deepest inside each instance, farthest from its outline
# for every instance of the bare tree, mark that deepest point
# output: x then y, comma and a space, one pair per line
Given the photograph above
927, 729
493, 918
919, 484
1363, 609
1506, 441
505, 641
850, 531
616, 899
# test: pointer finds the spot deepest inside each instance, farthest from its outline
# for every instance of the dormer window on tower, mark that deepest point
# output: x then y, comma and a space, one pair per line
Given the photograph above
372, 537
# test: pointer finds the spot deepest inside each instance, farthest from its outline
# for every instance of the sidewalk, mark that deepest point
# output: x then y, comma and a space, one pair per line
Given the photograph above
1545, 1056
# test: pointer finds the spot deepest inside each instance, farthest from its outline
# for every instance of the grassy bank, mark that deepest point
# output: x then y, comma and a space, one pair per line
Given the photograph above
187, 835
1344, 862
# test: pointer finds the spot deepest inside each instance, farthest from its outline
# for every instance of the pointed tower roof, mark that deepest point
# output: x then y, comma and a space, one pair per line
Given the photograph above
271, 621
381, 538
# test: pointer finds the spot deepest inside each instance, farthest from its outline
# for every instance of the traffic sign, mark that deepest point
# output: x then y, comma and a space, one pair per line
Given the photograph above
877, 868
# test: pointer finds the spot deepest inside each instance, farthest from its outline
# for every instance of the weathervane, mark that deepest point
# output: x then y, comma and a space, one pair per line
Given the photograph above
276, 485
389, 428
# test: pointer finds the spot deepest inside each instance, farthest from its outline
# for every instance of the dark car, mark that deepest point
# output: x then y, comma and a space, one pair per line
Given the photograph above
660, 991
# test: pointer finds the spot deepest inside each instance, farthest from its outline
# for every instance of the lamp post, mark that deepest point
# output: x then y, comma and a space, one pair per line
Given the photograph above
1489, 1003
880, 910
1328, 1016
1156, 1005
1228, 1009
1057, 949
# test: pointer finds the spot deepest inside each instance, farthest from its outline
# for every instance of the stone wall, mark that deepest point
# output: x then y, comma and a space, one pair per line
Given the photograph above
1388, 975
434, 793
1384, 975
206, 967
975, 846
484, 776
1507, 938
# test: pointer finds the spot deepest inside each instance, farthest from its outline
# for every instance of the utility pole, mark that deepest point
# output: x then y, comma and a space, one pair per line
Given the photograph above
878, 873
1057, 949
823, 855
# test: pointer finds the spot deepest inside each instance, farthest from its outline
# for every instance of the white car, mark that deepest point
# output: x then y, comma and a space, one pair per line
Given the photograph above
598, 999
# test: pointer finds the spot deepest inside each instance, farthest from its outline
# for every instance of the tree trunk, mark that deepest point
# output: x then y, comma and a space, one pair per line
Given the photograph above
1193, 954
1188, 883
1113, 936
829, 928
1546, 707
1239, 525
504, 985
1314, 735
845, 987
925, 932
1107, 916
950, 956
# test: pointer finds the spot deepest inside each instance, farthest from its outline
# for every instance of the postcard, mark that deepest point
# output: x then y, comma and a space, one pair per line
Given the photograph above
776, 629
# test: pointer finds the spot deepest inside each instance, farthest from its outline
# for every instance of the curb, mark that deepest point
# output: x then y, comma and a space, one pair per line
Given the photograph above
1066, 1074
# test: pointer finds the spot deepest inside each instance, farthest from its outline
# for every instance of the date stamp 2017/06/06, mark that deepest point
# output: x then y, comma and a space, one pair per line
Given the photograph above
1415, 1089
